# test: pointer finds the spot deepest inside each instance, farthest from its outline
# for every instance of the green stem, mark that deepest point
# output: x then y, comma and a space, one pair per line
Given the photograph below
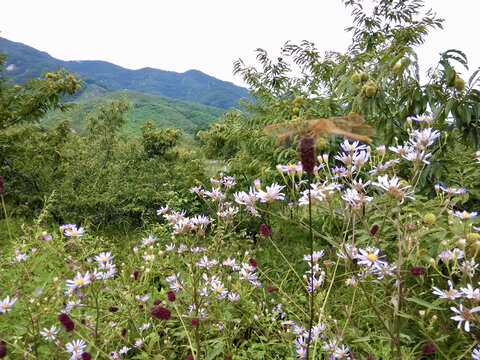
6, 218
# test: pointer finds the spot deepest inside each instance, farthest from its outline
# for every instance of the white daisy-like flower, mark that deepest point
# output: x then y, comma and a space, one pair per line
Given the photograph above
79, 280
75, 346
471, 293
103, 257
352, 147
394, 187
465, 215
451, 293
370, 257
464, 314
49, 334
273, 193
139, 342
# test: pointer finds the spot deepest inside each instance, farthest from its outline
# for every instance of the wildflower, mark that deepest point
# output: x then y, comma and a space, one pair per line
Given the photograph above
139, 342
49, 334
370, 257
464, 314
421, 118
170, 247
163, 210
428, 348
270, 288
124, 350
113, 309
253, 262
424, 138
360, 158
453, 191
86, 356
45, 236
401, 150
393, 187
346, 146
103, 257
215, 194
314, 283
233, 296
124, 332
171, 296
149, 240
448, 255
67, 323
307, 153
160, 312
75, 346
418, 270
471, 293
373, 230
382, 270
464, 215
79, 280
265, 230
19, 256
273, 193
231, 263
207, 264
476, 354
6, 304
148, 257
218, 287
73, 231
341, 352
3, 344
451, 293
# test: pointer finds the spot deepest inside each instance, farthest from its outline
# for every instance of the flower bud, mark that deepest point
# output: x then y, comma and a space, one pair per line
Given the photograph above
307, 153
421, 313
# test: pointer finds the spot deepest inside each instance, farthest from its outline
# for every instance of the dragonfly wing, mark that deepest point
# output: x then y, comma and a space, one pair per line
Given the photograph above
286, 133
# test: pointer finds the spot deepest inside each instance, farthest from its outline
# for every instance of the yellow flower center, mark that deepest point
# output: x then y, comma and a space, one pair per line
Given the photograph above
371, 256
79, 281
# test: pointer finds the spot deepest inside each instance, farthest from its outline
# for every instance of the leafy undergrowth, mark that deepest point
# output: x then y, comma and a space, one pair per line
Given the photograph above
390, 274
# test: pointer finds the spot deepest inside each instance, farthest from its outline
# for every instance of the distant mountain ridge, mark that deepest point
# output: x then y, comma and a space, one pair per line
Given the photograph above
24, 62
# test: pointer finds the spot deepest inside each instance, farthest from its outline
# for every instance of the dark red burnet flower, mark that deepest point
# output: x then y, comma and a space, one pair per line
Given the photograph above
67, 323
113, 309
86, 356
157, 302
160, 312
270, 288
265, 230
418, 270
124, 332
428, 348
3, 349
307, 153
171, 296
190, 357
253, 262
135, 274
373, 230
194, 322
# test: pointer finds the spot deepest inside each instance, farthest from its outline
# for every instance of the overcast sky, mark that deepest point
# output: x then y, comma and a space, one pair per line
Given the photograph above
208, 35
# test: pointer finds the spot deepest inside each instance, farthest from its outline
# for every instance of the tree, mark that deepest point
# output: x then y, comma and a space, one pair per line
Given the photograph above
27, 103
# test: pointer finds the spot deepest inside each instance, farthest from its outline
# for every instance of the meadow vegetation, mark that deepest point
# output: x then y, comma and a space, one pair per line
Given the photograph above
156, 245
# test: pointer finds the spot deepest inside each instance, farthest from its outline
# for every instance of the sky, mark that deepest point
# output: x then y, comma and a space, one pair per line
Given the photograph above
209, 35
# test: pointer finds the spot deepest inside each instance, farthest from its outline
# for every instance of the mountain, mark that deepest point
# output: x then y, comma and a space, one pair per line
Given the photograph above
24, 62
165, 112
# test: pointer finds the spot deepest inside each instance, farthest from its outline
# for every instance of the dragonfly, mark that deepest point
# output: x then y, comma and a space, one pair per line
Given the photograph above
352, 127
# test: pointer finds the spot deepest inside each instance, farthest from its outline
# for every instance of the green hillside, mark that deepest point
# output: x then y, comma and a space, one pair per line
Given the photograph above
165, 112
25, 62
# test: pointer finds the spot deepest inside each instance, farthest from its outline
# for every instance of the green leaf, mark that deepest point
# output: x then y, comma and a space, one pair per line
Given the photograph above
424, 303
